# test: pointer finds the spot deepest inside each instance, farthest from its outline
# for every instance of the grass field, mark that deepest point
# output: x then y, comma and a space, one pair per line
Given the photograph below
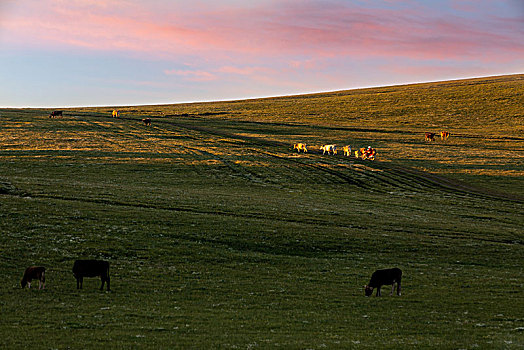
220, 236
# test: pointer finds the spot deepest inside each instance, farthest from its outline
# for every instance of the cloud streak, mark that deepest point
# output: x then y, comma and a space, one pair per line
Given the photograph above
269, 29
192, 75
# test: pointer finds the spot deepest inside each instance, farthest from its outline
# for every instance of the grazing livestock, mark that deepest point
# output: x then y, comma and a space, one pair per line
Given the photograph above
330, 149
300, 146
366, 153
33, 273
430, 136
347, 150
55, 114
146, 121
384, 277
371, 154
444, 135
91, 268
116, 113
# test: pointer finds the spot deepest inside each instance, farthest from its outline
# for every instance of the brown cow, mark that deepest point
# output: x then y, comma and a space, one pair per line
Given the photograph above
430, 136
116, 113
55, 114
146, 121
444, 135
300, 146
31, 273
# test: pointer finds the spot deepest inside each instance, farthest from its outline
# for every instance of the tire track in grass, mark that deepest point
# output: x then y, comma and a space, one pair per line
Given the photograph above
100, 130
409, 176
425, 180
110, 202
135, 129
134, 132
237, 168
456, 187
353, 180
253, 216
257, 141
406, 176
340, 175
131, 133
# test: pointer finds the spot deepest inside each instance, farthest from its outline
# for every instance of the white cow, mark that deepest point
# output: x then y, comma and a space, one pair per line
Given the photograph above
330, 149
347, 150
300, 146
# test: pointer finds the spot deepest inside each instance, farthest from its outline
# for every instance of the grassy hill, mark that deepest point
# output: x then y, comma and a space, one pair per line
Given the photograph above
219, 235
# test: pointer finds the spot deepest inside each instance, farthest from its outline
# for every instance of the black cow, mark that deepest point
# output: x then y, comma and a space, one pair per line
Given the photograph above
55, 114
381, 277
34, 273
91, 268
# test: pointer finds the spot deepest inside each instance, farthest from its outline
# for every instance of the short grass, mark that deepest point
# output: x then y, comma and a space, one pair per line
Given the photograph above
219, 236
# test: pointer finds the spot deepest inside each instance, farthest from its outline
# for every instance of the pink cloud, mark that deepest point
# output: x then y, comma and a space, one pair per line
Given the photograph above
243, 70
429, 72
268, 29
192, 75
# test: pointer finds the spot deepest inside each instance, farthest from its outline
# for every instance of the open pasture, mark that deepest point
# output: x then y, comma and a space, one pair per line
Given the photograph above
219, 235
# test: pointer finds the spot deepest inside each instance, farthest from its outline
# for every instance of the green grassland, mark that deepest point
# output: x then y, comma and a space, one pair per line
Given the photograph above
220, 236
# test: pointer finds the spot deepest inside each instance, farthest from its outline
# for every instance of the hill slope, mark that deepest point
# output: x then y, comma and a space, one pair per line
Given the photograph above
220, 235
485, 117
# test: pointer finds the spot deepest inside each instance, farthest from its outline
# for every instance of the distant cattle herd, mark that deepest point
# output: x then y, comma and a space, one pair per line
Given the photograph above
362, 153
331, 149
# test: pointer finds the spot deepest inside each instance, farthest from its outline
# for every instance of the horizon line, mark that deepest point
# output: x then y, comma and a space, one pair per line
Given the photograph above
252, 98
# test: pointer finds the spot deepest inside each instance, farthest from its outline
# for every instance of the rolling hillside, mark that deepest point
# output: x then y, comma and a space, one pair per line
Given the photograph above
219, 235
485, 117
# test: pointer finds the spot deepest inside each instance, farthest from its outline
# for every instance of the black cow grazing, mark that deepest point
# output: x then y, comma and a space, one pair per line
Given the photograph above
146, 121
381, 277
55, 114
33, 273
91, 268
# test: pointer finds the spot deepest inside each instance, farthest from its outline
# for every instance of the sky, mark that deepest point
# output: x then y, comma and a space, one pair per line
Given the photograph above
59, 53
